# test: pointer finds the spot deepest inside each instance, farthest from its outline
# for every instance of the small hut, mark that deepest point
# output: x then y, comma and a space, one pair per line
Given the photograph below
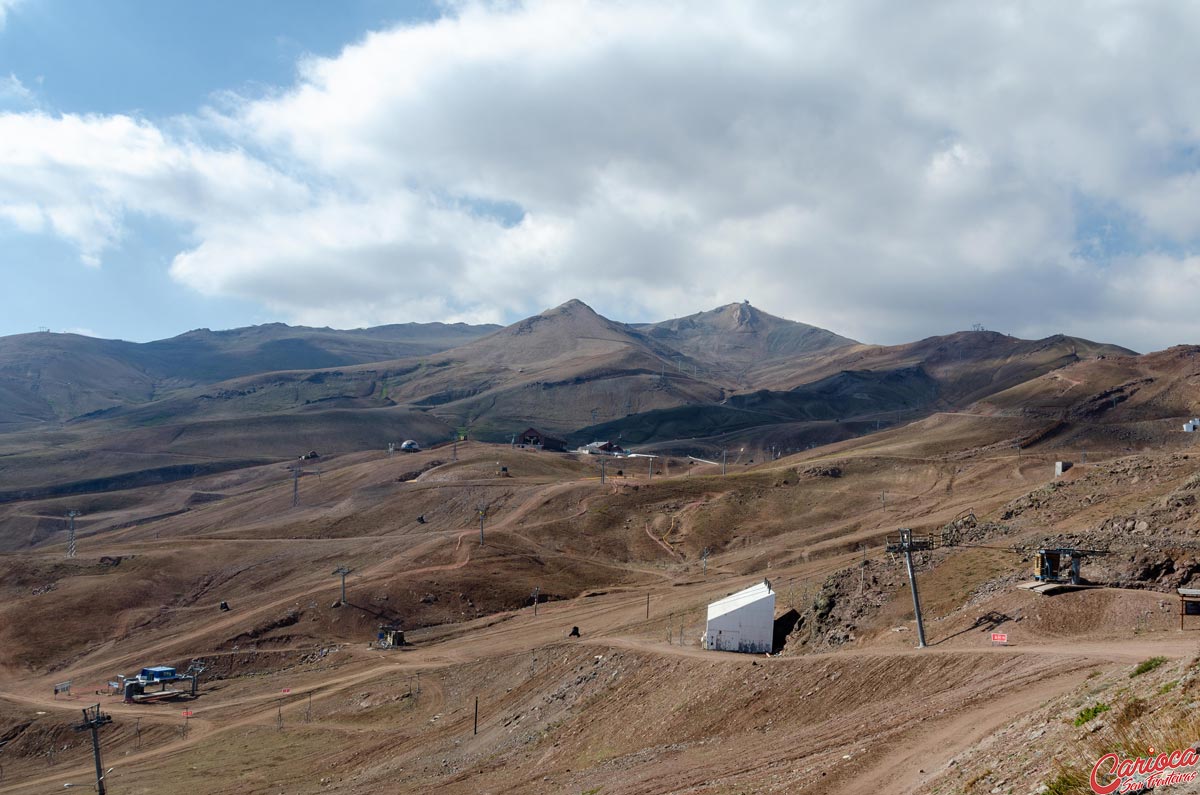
390, 636
743, 621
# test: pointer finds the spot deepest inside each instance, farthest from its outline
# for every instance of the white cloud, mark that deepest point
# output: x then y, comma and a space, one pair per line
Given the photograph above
5, 7
80, 175
887, 170
14, 93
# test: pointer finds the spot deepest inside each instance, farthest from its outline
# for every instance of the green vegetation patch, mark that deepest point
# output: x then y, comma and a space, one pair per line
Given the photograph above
1146, 666
1087, 713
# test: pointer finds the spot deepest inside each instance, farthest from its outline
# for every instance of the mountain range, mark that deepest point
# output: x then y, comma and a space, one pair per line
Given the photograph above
76, 410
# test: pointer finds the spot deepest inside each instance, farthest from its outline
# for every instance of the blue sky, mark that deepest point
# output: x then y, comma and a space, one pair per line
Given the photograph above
154, 60
886, 171
163, 59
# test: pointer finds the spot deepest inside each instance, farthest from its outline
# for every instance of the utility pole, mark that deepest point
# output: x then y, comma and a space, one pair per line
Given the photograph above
71, 533
651, 459
454, 457
482, 510
722, 462
536, 588
704, 560
603, 462
343, 571
93, 719
908, 544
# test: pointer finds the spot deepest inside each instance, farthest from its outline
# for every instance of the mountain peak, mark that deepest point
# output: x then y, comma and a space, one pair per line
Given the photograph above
569, 307
561, 332
743, 336
739, 316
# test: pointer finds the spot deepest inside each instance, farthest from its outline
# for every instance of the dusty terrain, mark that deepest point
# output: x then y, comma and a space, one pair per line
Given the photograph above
295, 700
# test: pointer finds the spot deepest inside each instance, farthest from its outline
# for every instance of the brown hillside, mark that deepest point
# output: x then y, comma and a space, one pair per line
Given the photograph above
851, 705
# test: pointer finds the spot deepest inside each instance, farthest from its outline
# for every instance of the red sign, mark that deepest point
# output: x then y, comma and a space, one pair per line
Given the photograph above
287, 690
999, 637
187, 713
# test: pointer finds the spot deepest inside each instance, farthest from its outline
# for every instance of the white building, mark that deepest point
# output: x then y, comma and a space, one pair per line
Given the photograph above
744, 621
1191, 425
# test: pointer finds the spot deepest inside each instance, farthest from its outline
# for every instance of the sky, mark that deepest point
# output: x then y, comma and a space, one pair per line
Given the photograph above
889, 171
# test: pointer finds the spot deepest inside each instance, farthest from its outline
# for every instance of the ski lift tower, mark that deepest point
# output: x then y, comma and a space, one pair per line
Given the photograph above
342, 571
906, 543
93, 719
71, 533
298, 470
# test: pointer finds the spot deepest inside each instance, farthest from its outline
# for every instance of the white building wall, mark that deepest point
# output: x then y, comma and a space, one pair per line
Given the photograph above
745, 624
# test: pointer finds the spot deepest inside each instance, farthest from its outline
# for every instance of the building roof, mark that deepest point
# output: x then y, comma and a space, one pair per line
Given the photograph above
535, 432
740, 599
1193, 592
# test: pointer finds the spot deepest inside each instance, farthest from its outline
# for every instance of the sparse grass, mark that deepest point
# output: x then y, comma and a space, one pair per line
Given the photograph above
1133, 709
971, 782
591, 791
1069, 781
1168, 687
1087, 713
1146, 666
1135, 730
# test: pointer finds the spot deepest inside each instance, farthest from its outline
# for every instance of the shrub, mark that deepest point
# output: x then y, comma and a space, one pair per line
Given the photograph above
1146, 666
1087, 713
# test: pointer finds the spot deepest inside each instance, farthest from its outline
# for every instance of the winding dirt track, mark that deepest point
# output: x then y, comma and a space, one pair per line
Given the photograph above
925, 746
617, 620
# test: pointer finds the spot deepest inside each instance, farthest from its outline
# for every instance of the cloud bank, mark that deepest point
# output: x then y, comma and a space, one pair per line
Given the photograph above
887, 171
